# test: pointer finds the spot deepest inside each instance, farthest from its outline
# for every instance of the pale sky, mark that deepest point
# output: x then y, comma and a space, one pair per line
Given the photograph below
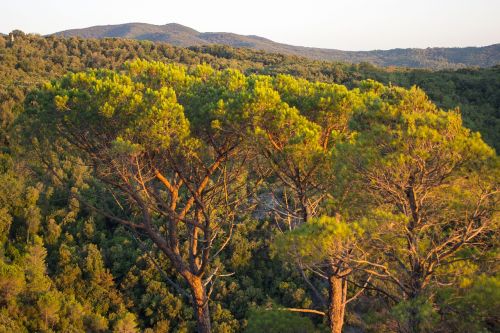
345, 25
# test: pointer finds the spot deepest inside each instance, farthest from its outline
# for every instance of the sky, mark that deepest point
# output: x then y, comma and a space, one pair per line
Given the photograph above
346, 25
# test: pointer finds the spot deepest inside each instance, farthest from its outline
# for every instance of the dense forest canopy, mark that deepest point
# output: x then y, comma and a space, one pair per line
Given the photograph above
32, 59
227, 190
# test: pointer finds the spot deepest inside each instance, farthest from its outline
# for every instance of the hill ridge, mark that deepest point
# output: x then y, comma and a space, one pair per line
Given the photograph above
181, 35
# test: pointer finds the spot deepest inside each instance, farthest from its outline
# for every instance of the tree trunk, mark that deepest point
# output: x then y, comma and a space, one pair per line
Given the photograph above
337, 296
200, 304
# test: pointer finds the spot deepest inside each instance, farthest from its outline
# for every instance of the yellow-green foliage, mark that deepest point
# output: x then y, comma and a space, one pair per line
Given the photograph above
339, 148
321, 238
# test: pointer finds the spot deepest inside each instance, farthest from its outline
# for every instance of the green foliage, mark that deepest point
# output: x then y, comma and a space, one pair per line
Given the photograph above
65, 268
177, 34
33, 59
276, 321
320, 238
12, 282
418, 312
472, 305
126, 324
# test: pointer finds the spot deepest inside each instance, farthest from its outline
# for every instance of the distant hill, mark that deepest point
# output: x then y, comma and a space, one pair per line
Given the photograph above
176, 34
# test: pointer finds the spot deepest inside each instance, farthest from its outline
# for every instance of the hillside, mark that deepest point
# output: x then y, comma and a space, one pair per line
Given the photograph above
179, 35
69, 264
33, 59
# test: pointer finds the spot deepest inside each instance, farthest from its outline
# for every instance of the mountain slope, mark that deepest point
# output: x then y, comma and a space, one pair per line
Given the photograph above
180, 35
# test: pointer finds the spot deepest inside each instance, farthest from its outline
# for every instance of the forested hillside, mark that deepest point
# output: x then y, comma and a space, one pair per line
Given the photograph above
179, 35
33, 59
147, 187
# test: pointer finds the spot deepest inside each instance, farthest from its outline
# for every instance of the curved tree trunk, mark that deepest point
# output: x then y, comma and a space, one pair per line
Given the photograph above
337, 292
200, 304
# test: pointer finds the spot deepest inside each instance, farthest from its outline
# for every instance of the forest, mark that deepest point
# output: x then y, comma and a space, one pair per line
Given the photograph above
180, 35
152, 188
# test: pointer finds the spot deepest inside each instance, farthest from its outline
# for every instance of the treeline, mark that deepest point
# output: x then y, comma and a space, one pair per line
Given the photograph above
176, 34
162, 198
